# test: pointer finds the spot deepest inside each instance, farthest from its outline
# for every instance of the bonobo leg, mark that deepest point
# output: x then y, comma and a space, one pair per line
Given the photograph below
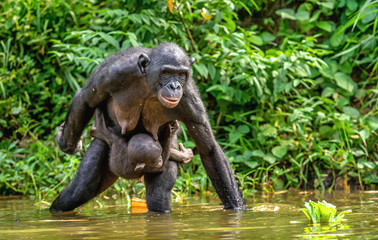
92, 178
159, 186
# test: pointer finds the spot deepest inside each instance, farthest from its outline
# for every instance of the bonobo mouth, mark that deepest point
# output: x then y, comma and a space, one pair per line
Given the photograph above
169, 101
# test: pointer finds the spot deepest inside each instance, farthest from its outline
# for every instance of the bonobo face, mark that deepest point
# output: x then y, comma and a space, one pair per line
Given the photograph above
172, 79
167, 70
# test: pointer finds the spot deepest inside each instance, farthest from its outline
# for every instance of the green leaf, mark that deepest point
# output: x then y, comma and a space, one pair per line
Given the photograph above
267, 37
305, 211
270, 158
256, 40
372, 122
302, 15
286, 13
352, 5
268, 130
132, 38
324, 130
258, 153
322, 212
344, 81
337, 39
325, 25
251, 164
109, 39
201, 69
326, 4
351, 111
243, 129
328, 91
369, 14
279, 151
212, 71
341, 216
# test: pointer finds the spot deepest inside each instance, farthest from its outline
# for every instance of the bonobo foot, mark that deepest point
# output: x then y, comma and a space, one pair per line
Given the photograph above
100, 130
58, 137
173, 127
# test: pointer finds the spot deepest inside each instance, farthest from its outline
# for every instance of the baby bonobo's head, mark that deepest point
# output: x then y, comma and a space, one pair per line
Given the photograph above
144, 152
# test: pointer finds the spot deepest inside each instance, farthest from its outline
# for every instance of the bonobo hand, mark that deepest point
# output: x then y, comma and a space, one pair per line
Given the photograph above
67, 149
187, 154
183, 156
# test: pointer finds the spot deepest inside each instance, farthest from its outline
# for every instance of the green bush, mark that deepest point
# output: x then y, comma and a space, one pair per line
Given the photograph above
290, 87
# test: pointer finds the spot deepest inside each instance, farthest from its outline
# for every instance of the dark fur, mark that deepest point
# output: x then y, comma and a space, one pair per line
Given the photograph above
127, 86
127, 155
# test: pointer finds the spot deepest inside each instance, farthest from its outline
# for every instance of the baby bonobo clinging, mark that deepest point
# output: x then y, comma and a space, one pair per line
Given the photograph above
140, 154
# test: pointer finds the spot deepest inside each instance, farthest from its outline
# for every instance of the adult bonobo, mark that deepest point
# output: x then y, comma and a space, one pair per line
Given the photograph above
141, 90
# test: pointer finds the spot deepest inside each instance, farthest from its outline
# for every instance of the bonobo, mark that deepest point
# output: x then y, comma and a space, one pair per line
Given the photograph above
128, 159
140, 91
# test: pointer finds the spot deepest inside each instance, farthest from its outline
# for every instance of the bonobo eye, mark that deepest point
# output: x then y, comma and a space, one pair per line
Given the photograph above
182, 74
166, 73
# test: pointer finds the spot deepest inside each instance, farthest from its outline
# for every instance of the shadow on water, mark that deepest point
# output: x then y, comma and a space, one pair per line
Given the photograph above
268, 217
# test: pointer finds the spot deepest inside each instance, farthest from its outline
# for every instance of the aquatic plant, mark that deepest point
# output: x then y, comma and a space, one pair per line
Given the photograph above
322, 212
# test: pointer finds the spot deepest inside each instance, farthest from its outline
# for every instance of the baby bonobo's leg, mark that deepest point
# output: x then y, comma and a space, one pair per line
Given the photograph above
101, 131
183, 156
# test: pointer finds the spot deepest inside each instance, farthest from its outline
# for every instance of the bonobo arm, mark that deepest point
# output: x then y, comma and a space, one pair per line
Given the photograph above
112, 75
194, 116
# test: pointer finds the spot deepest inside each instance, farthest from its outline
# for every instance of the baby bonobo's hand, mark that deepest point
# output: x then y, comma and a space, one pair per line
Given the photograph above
187, 154
65, 149
183, 156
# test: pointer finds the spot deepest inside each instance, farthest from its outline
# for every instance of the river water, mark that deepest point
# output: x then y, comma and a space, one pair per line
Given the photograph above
272, 216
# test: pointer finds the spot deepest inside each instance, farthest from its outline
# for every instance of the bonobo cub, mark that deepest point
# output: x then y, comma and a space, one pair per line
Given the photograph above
141, 153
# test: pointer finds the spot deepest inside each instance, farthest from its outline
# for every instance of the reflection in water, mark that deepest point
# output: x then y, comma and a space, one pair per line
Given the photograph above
194, 218
325, 231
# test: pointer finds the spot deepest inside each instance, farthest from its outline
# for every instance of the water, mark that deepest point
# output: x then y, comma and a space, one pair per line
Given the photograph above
269, 217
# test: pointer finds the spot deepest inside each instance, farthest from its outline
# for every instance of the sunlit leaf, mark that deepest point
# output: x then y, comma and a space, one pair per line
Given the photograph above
270, 158
286, 13
279, 151
268, 130
322, 212
344, 81
258, 153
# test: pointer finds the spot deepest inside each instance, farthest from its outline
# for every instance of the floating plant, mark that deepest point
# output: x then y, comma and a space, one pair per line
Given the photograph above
322, 212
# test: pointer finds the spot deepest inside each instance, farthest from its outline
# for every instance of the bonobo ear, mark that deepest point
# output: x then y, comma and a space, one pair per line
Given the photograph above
143, 62
191, 61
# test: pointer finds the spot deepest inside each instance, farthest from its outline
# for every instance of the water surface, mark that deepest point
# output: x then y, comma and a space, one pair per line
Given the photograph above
268, 217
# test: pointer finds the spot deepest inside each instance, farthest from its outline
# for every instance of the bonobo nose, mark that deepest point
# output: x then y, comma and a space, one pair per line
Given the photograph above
174, 85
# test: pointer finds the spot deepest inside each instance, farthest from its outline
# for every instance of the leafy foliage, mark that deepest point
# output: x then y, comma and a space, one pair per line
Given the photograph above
291, 87
322, 212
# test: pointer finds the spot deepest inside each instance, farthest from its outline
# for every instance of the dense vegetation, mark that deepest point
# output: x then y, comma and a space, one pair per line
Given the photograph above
291, 86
